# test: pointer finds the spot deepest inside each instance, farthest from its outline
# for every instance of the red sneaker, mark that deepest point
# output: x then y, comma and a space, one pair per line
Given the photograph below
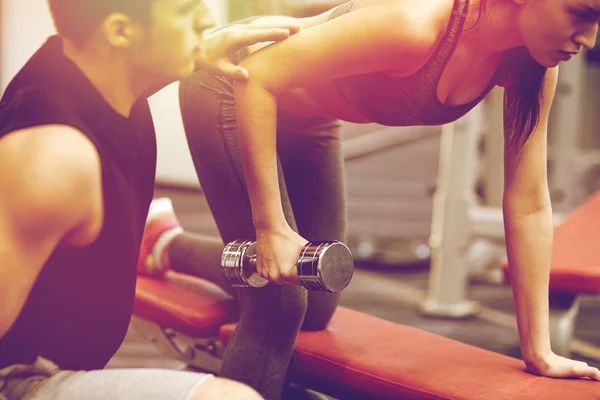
162, 226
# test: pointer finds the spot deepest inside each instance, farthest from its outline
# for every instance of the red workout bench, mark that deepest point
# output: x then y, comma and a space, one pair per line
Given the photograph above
575, 270
357, 357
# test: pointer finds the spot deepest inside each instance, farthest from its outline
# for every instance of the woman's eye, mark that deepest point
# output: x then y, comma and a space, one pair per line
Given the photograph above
584, 16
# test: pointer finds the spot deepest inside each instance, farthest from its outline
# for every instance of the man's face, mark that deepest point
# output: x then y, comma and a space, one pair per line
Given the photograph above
173, 39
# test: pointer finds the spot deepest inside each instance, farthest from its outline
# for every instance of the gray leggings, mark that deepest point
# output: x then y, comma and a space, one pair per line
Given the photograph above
311, 177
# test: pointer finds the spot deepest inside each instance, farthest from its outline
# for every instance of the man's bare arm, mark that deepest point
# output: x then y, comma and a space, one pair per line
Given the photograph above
50, 180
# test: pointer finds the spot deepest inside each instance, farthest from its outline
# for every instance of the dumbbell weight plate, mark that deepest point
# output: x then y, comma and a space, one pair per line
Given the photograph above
325, 266
238, 264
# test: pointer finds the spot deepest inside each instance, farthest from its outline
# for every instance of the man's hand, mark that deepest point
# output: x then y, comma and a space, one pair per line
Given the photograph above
219, 47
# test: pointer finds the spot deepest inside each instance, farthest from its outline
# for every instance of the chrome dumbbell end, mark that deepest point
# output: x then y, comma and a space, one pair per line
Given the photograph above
238, 264
325, 266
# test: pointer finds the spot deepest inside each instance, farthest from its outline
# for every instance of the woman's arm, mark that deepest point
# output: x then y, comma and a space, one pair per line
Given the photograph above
366, 40
529, 232
529, 227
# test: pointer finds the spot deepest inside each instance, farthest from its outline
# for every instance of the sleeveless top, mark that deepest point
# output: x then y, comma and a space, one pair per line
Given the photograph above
79, 309
410, 100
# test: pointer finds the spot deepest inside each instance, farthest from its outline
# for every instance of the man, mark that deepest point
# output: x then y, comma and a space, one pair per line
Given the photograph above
77, 164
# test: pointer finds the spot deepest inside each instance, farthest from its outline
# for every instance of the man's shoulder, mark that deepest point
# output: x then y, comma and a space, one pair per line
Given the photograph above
47, 149
52, 171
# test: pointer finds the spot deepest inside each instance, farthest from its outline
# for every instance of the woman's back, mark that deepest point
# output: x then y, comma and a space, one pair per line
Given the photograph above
418, 90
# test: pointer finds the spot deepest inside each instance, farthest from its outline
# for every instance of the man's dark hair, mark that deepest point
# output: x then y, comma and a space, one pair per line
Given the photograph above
76, 20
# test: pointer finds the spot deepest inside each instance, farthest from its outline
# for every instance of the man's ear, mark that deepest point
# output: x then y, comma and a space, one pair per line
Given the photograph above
120, 30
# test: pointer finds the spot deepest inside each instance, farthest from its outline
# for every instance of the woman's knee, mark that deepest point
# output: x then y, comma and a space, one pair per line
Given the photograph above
201, 84
203, 98
320, 310
221, 388
208, 113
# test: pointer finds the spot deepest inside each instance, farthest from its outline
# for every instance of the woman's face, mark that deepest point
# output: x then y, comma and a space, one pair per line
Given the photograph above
554, 30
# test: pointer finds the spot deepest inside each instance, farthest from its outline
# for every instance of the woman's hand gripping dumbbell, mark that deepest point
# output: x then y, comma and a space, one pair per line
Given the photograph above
325, 266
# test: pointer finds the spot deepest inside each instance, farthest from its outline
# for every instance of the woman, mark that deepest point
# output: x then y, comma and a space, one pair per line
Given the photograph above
267, 150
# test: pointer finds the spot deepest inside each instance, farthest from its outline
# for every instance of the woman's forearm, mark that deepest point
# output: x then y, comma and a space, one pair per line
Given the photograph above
256, 113
529, 247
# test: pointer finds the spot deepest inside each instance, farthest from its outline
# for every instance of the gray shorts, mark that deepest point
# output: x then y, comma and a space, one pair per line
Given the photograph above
44, 381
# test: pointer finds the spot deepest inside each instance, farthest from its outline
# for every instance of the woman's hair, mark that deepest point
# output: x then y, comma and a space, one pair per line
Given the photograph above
76, 20
526, 77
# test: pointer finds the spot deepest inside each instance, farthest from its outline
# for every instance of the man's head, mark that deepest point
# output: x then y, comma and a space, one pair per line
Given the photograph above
158, 39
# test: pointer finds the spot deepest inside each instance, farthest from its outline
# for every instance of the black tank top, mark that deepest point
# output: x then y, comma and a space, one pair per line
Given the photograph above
79, 309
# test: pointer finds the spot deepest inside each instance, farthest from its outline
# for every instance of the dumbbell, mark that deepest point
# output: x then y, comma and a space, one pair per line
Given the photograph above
325, 266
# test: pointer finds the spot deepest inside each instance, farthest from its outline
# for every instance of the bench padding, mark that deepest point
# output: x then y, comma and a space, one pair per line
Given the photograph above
362, 354
192, 306
379, 359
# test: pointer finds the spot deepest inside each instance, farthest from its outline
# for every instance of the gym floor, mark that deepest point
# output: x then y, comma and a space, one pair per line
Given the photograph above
389, 293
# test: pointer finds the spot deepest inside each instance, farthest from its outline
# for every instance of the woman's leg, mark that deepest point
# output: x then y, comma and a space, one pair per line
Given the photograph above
310, 153
199, 255
261, 347
313, 165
